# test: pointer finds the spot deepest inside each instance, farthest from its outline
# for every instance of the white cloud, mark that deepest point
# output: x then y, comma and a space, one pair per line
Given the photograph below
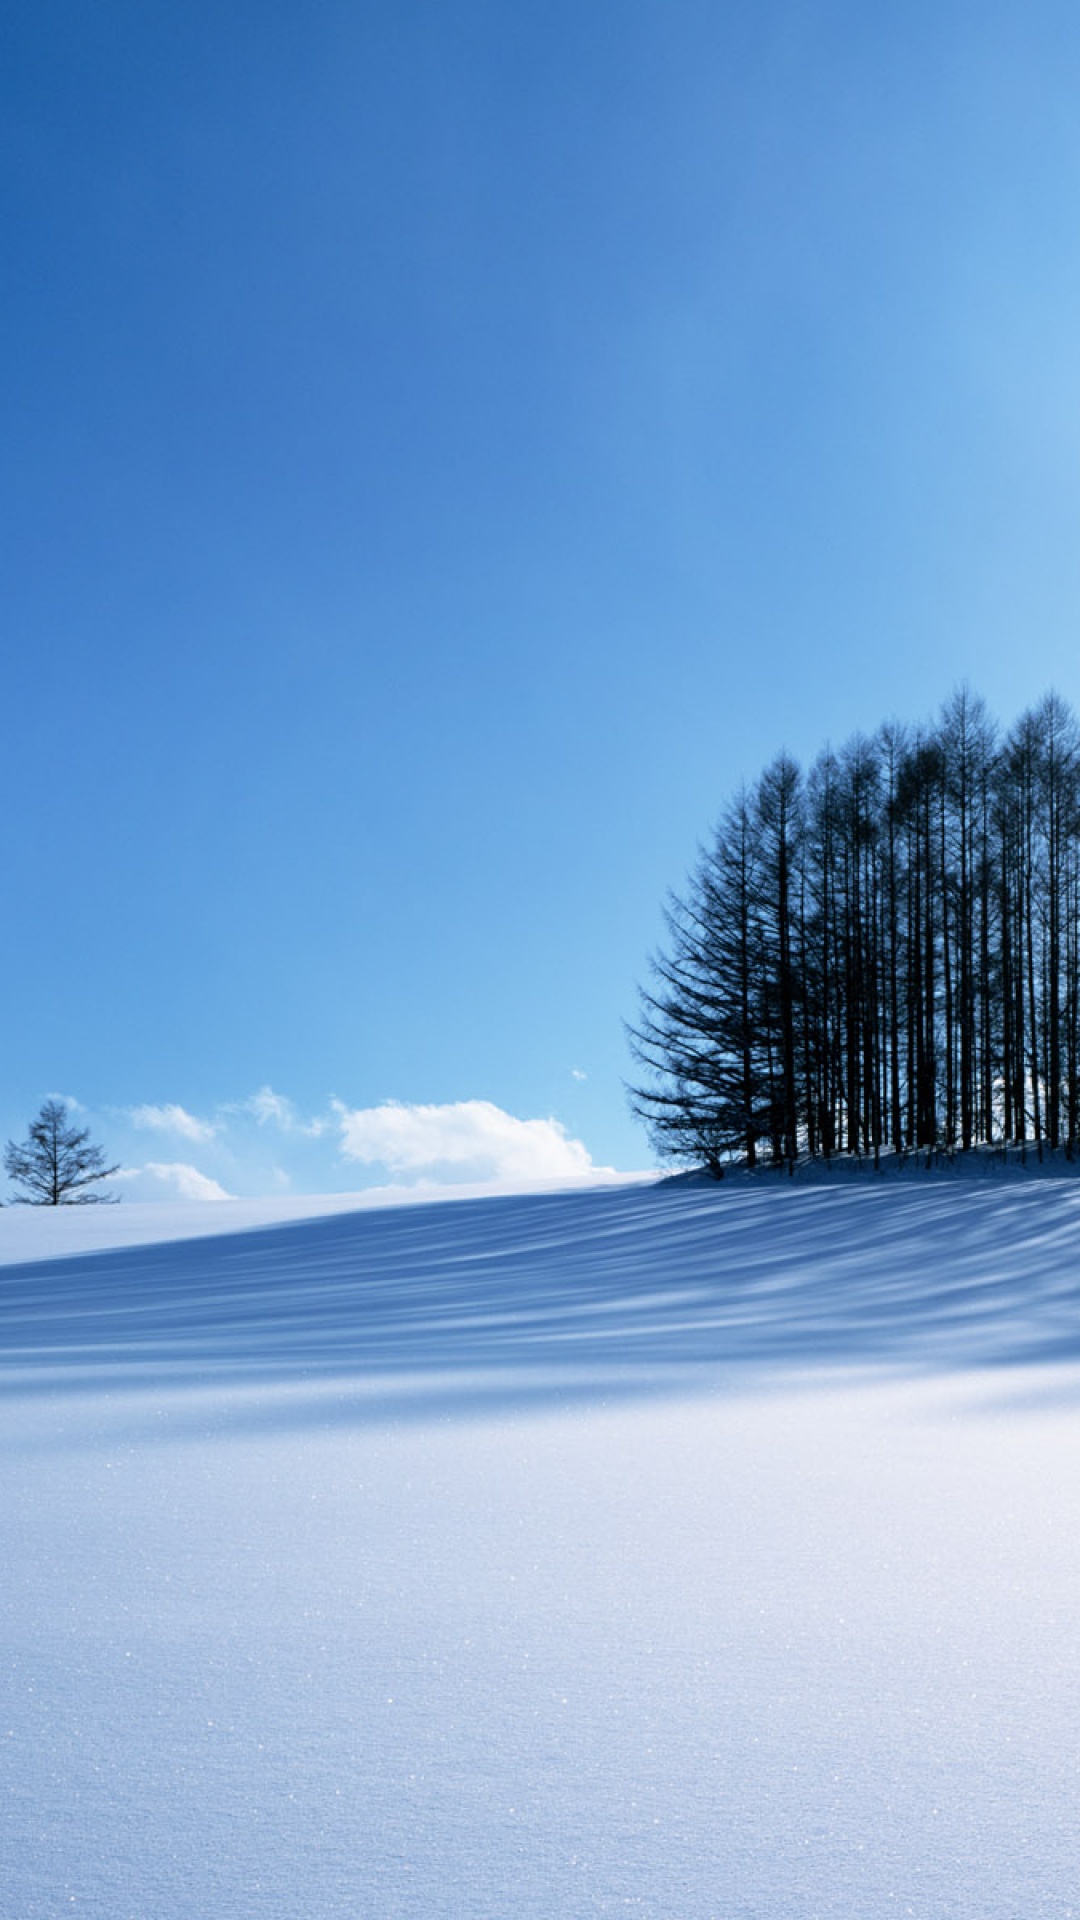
189, 1183
172, 1119
576, 1074
270, 1108
277, 1110
469, 1140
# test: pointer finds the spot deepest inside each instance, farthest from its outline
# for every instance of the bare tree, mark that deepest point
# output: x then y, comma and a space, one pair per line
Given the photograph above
886, 952
56, 1166
701, 1032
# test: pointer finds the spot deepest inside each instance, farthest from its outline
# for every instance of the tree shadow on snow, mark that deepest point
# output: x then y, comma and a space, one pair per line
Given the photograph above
544, 1301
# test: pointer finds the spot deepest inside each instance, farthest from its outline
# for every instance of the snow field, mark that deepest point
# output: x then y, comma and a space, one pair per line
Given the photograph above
684, 1555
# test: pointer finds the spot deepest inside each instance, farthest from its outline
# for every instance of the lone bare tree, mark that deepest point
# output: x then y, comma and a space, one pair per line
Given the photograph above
56, 1166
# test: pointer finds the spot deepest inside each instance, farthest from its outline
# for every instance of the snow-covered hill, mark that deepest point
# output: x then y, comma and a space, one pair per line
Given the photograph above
665, 1550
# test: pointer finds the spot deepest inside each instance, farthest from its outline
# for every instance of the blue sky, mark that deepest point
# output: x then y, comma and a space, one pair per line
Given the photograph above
448, 448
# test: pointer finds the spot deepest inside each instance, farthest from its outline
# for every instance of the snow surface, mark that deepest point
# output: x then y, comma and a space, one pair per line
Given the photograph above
43, 1233
698, 1554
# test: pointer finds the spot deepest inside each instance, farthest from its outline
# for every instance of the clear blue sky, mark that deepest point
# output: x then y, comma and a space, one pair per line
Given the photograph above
447, 448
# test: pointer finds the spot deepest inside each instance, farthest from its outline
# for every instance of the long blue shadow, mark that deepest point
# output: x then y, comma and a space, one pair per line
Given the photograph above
546, 1299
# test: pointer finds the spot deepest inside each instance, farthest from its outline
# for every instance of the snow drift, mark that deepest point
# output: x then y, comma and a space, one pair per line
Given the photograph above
664, 1550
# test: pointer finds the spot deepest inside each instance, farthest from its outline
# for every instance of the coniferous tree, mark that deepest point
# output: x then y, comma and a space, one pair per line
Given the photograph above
700, 1033
886, 953
57, 1165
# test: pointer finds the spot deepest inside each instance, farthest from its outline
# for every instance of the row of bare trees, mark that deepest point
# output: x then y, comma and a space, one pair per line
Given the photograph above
881, 954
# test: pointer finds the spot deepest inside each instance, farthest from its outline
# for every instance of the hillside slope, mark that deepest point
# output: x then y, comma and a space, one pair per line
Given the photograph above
668, 1551
563, 1293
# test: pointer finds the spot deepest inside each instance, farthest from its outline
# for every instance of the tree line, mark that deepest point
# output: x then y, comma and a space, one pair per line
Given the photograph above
880, 953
